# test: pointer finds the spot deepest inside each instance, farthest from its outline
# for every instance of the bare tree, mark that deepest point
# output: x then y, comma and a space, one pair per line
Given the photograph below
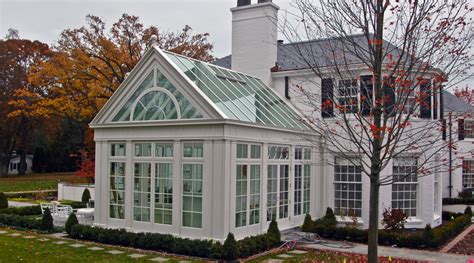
373, 81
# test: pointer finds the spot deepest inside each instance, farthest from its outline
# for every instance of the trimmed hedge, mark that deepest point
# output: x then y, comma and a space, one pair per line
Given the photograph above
22, 211
450, 215
32, 194
3, 201
401, 239
167, 243
458, 201
20, 221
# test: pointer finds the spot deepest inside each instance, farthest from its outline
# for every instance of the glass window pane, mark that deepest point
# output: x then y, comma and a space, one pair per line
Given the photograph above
117, 149
255, 151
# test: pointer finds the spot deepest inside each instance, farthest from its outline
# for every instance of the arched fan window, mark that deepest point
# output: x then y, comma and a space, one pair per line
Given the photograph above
156, 104
156, 99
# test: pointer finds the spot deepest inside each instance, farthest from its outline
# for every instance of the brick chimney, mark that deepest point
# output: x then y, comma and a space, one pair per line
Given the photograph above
254, 38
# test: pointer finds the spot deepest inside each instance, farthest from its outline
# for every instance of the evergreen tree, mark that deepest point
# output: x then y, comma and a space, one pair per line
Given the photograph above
273, 233
86, 196
47, 221
71, 221
231, 248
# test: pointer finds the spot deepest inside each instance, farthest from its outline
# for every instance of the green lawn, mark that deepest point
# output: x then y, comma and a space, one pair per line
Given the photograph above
16, 249
34, 182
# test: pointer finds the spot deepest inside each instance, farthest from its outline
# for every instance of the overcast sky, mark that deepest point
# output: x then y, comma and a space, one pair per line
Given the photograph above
44, 19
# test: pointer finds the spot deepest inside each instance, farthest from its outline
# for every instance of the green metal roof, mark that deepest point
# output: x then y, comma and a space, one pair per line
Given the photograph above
239, 96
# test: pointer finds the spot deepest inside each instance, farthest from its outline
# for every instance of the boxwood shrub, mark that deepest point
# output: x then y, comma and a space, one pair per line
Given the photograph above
440, 234
22, 211
18, 221
167, 243
458, 201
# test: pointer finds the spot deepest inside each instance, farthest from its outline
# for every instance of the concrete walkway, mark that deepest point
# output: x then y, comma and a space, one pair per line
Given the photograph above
456, 208
404, 253
19, 204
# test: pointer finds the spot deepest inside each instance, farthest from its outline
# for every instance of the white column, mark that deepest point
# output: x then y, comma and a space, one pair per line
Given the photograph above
177, 187
129, 170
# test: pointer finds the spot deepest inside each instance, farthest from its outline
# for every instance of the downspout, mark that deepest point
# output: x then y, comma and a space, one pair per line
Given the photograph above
450, 186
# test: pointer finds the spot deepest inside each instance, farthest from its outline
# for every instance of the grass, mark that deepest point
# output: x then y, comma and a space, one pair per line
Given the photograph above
35, 182
16, 249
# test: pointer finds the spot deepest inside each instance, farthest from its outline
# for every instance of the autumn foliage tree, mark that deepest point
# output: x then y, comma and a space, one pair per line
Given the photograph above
90, 62
86, 166
17, 94
379, 72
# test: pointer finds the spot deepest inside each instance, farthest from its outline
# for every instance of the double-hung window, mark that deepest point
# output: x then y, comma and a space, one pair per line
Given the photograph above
467, 174
468, 128
405, 185
348, 96
347, 187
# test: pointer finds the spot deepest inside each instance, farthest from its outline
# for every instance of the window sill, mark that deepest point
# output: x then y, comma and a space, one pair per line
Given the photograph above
347, 219
414, 221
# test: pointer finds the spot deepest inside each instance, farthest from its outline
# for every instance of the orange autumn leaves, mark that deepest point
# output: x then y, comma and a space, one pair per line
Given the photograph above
89, 63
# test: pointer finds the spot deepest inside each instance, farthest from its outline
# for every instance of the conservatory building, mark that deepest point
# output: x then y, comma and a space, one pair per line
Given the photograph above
189, 148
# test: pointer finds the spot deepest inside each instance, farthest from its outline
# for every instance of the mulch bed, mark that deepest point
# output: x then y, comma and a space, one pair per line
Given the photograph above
465, 246
316, 255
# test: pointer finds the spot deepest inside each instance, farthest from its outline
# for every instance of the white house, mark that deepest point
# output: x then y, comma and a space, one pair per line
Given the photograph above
257, 51
459, 121
15, 164
200, 150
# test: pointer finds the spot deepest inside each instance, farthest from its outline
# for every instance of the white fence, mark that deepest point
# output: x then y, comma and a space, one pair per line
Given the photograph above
74, 192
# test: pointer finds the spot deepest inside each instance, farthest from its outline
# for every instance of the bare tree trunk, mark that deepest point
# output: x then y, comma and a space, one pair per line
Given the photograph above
22, 163
4, 165
373, 219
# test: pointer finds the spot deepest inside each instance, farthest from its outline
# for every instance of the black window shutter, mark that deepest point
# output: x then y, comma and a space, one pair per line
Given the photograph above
441, 102
460, 129
435, 102
425, 107
366, 93
443, 129
389, 100
287, 87
327, 95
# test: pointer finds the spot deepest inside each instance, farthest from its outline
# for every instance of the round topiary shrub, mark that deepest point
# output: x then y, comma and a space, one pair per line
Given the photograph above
47, 221
86, 196
3, 201
231, 248
71, 221
273, 233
